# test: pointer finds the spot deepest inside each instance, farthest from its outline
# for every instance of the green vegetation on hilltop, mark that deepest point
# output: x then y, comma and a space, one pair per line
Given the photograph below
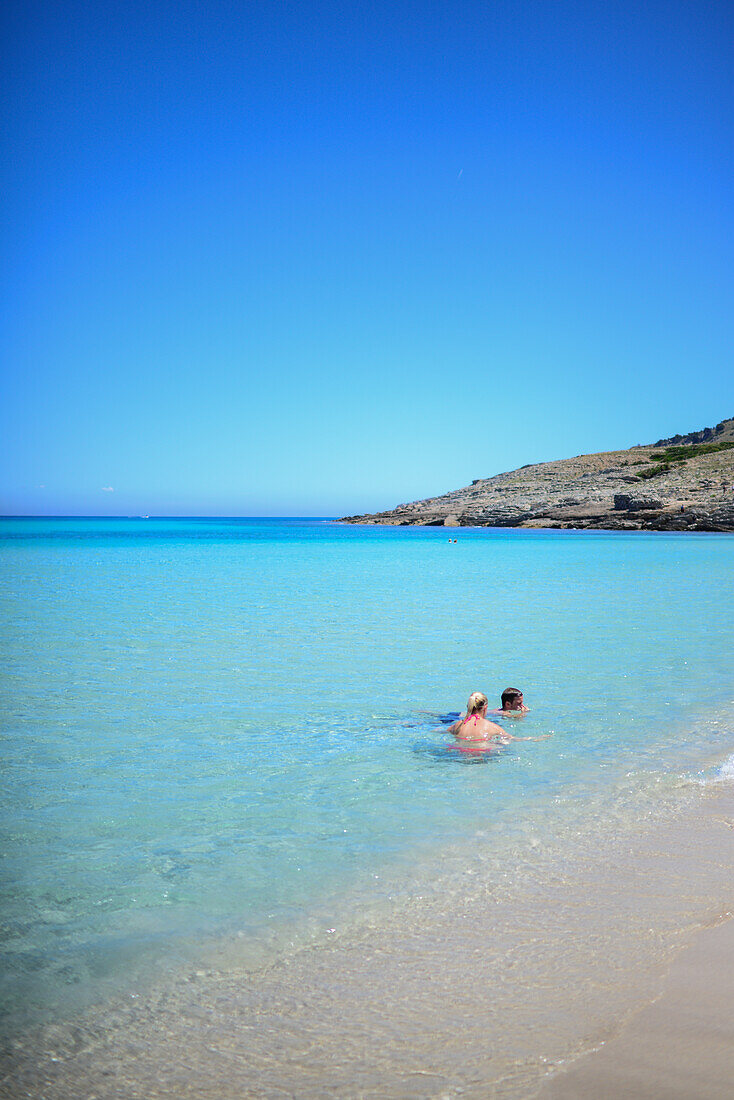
679, 455
690, 450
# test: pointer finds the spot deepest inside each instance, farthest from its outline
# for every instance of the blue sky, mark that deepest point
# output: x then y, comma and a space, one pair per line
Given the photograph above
315, 258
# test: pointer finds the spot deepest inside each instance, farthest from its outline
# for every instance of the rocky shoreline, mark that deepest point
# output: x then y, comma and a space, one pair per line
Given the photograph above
685, 483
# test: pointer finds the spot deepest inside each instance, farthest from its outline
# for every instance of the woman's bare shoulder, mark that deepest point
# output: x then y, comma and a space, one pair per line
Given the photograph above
494, 729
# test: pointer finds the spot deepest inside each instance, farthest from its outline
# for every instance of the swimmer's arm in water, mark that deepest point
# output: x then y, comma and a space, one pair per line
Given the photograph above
511, 737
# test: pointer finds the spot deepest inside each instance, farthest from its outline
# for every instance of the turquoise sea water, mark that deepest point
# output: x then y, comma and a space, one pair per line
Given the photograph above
232, 728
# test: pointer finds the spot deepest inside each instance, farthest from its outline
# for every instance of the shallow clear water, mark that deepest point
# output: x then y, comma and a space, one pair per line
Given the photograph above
230, 726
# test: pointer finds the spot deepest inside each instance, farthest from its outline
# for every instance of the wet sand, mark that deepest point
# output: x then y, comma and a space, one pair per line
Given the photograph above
680, 1047
510, 989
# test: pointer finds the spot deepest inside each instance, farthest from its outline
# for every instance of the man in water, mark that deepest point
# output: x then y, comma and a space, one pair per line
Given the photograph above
512, 703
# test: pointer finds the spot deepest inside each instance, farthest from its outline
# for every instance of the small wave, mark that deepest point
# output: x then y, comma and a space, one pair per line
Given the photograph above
722, 773
726, 771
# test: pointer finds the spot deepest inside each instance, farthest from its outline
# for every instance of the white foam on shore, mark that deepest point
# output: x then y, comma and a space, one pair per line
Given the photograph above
720, 775
725, 773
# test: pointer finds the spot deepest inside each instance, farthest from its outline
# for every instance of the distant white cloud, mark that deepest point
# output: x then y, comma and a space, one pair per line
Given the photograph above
107, 489
41, 486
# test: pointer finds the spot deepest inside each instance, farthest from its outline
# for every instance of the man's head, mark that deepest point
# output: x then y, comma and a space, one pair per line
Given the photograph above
512, 699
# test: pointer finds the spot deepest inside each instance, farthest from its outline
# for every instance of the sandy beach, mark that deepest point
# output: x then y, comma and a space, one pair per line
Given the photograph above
680, 1047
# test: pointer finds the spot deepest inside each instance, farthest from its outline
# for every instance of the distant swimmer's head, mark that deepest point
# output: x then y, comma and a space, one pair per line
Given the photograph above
512, 699
477, 703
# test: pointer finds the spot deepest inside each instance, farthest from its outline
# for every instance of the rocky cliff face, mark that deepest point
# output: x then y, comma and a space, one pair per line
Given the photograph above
677, 484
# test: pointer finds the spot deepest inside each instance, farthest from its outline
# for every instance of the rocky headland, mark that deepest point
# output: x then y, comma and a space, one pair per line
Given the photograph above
685, 483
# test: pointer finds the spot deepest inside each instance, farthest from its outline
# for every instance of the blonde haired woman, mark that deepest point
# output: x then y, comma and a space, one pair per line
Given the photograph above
474, 726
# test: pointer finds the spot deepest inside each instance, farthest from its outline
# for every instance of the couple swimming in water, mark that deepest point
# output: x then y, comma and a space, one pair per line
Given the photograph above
475, 726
